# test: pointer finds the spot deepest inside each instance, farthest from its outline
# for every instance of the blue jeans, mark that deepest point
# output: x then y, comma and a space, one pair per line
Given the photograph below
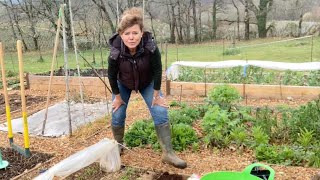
158, 113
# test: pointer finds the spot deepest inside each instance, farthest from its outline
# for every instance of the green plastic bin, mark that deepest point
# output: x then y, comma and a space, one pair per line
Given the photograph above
244, 175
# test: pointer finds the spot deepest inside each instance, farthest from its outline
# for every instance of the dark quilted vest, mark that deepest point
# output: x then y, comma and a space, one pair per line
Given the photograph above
134, 71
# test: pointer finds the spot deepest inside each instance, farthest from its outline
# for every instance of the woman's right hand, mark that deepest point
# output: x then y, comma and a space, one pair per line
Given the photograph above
117, 102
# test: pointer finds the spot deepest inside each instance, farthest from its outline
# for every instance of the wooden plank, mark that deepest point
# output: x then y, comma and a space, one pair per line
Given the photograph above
251, 90
91, 85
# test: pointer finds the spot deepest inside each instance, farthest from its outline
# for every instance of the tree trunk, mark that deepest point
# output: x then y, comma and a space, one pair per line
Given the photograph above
200, 22
195, 24
246, 22
214, 19
262, 25
300, 25
179, 27
172, 25
152, 27
188, 28
261, 13
238, 20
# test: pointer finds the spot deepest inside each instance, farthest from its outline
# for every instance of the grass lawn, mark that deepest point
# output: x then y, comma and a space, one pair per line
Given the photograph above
258, 49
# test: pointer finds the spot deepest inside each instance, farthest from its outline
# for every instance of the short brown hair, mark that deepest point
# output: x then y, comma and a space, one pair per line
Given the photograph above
129, 18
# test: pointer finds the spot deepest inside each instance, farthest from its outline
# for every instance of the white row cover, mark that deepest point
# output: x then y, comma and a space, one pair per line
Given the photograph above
173, 70
106, 152
57, 120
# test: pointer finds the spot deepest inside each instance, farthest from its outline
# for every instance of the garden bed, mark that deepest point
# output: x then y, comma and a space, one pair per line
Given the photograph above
15, 101
247, 90
19, 164
90, 82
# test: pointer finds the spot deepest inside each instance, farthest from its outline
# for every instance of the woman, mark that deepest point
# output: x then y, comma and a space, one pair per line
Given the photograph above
135, 64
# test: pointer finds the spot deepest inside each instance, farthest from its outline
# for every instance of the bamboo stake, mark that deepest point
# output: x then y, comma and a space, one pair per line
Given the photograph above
6, 97
65, 51
56, 43
77, 61
23, 100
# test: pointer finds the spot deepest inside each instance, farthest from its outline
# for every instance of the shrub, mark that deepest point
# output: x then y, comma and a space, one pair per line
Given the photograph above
231, 51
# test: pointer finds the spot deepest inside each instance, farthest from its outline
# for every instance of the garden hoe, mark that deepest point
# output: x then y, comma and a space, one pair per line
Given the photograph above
3, 164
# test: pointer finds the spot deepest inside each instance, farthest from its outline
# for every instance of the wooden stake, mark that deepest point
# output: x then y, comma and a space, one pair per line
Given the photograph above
23, 98
65, 51
56, 43
5, 91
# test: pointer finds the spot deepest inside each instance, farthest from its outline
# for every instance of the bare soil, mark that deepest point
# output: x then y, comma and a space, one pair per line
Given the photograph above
15, 101
18, 163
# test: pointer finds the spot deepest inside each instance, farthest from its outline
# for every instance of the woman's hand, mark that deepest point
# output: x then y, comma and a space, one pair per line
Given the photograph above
160, 101
117, 102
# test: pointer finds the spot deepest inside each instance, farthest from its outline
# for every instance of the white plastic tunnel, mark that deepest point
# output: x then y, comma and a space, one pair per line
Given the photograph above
106, 152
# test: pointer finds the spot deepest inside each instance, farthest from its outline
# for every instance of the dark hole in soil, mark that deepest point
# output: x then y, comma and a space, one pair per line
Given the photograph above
74, 72
18, 163
167, 176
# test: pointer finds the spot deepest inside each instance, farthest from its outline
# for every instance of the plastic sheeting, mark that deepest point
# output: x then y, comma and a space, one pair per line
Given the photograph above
173, 70
57, 121
106, 152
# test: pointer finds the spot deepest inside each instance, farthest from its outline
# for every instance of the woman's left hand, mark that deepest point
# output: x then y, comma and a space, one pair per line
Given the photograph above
160, 101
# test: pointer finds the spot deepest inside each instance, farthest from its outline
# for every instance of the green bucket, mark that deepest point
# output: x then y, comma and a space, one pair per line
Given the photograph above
244, 175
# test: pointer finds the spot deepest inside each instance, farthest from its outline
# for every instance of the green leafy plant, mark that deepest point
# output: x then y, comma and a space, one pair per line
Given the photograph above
10, 73
314, 158
224, 96
141, 133
279, 154
306, 117
259, 136
183, 136
239, 135
305, 138
265, 119
177, 117
217, 126
314, 78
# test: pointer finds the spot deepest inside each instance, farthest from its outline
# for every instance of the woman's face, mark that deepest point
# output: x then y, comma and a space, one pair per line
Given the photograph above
132, 37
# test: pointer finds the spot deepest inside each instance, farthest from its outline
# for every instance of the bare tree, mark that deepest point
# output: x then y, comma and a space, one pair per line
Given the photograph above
171, 10
27, 7
101, 5
14, 13
261, 12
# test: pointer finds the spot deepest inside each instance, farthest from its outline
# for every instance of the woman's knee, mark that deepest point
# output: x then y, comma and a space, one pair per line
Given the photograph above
118, 119
159, 114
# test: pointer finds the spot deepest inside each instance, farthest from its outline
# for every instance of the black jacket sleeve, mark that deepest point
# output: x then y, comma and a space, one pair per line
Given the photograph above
113, 68
156, 69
